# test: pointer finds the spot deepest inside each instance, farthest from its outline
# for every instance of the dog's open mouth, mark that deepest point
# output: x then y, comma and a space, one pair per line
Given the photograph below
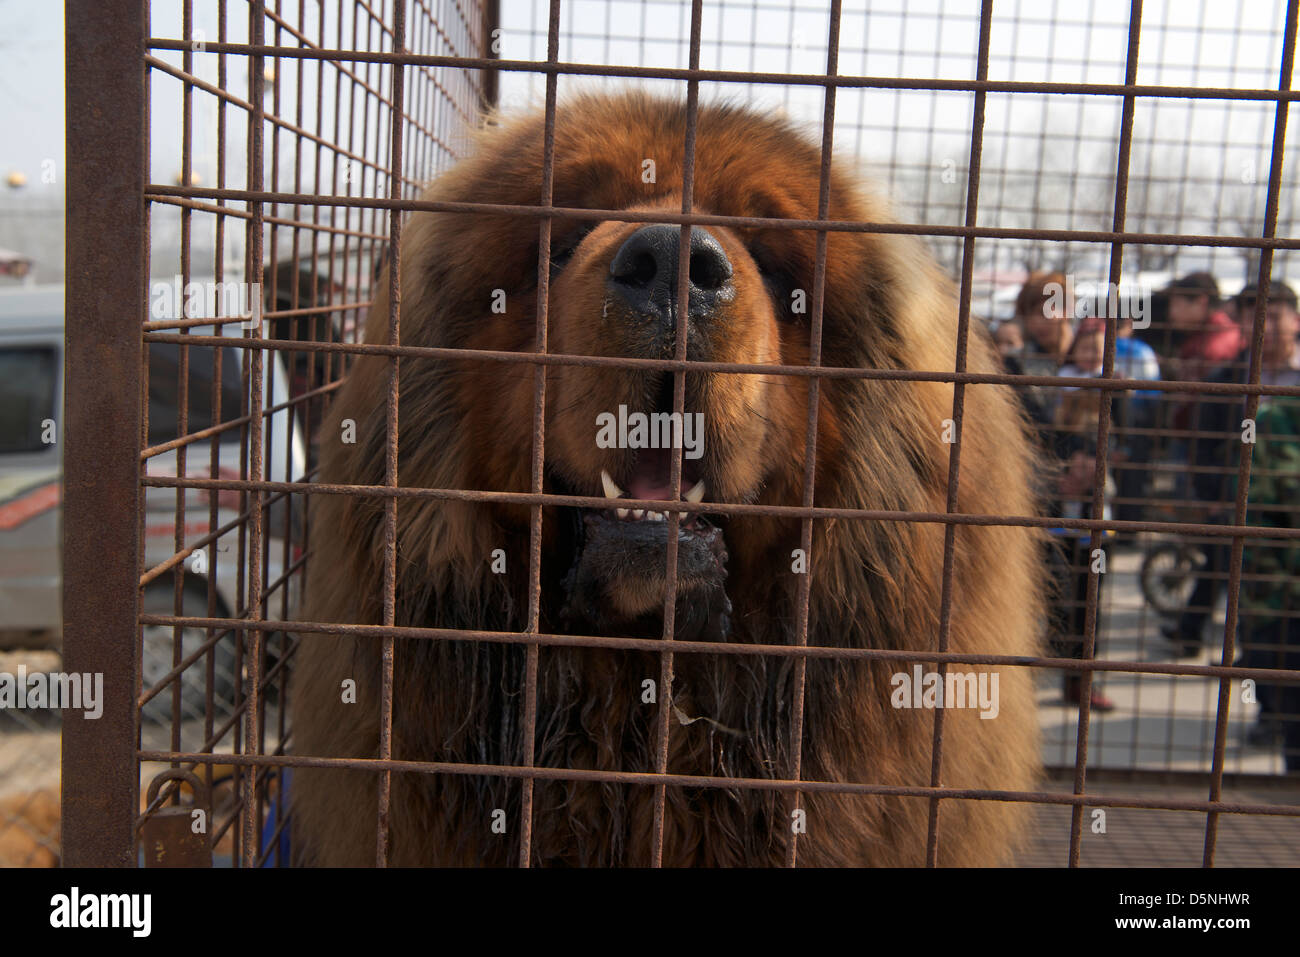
620, 562
651, 479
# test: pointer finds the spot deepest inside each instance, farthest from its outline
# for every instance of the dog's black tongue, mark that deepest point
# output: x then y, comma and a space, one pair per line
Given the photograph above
615, 585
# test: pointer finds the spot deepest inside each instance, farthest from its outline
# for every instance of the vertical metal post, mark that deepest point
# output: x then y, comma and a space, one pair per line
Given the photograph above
491, 82
106, 303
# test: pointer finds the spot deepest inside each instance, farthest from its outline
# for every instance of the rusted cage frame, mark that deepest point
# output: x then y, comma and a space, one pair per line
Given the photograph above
193, 196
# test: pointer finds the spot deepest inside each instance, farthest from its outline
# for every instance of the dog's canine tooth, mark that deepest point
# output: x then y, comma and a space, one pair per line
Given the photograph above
696, 494
611, 489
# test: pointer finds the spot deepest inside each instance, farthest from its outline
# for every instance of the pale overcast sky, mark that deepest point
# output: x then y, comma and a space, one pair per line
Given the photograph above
905, 137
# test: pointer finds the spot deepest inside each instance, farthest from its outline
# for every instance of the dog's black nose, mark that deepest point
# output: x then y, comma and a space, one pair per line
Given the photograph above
644, 271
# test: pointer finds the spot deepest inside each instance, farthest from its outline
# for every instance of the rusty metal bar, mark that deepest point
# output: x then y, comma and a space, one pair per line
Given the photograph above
729, 508
663, 727
734, 76
183, 368
696, 365
723, 783
391, 425
958, 414
158, 190
538, 464
1252, 410
491, 78
1103, 433
808, 492
107, 136
729, 648
214, 448
252, 737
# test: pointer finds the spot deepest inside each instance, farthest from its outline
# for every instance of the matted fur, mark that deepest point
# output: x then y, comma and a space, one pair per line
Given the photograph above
468, 424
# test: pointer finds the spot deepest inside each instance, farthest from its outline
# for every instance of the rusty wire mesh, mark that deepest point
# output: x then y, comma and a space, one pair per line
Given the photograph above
338, 140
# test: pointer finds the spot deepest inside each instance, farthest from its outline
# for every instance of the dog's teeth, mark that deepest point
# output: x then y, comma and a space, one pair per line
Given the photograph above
621, 512
696, 494
611, 490
638, 513
656, 516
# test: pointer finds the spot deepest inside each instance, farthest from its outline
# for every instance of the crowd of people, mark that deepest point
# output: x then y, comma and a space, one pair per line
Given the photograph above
1170, 456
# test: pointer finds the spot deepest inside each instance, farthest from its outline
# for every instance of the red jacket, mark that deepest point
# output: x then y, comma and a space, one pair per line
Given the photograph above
1219, 342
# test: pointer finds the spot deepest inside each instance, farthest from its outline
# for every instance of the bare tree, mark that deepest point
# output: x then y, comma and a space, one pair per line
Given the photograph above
1154, 185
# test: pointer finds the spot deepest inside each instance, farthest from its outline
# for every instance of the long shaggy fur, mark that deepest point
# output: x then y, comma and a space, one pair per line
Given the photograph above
875, 584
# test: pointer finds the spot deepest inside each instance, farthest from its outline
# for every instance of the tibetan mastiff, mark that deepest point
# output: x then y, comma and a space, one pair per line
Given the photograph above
469, 280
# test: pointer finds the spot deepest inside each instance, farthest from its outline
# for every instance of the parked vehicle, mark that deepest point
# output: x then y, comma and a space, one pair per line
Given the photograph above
31, 418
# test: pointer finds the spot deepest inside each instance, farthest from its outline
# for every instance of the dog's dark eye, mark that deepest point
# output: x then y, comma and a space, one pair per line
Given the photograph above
780, 285
770, 266
762, 259
563, 248
789, 301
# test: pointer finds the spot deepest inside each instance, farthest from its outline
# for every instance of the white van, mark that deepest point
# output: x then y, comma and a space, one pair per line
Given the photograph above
31, 415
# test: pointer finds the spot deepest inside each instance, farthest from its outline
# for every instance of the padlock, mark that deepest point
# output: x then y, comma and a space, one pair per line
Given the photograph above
169, 837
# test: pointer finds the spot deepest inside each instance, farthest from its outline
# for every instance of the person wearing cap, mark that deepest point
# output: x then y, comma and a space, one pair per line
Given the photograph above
1280, 355
1200, 336
1200, 340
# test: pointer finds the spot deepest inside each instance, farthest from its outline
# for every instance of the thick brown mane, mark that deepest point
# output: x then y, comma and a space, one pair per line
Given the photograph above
875, 584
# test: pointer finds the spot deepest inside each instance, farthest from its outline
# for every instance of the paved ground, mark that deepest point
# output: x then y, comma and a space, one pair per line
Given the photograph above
1136, 837
1160, 722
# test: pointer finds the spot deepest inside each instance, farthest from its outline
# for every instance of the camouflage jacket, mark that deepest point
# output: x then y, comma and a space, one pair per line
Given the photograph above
1271, 568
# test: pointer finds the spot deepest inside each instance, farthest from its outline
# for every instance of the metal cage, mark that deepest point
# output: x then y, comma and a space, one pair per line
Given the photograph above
340, 112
